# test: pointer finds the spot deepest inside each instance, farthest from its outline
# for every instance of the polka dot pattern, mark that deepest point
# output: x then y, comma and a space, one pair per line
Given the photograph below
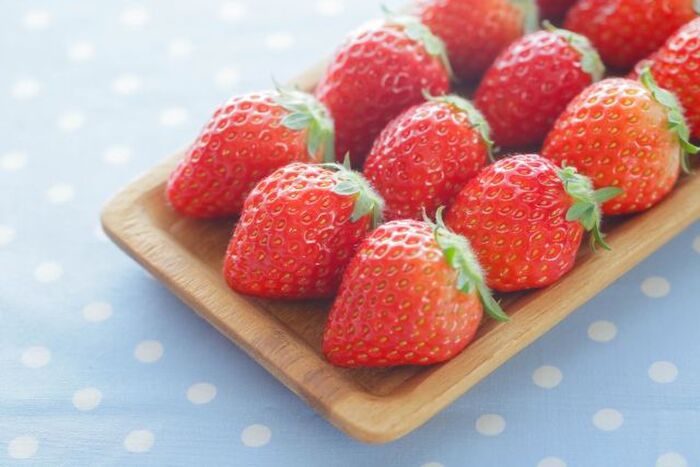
102, 365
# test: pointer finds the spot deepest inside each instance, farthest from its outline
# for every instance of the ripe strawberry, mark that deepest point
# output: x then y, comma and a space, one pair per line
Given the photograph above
525, 219
475, 31
676, 67
626, 134
554, 9
298, 230
247, 139
412, 295
625, 31
422, 159
377, 74
531, 83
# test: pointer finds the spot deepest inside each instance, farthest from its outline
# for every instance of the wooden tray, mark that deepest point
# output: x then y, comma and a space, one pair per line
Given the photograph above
371, 405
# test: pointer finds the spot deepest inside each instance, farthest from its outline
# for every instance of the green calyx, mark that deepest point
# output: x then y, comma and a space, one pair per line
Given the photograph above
591, 62
586, 208
676, 119
351, 183
460, 257
475, 117
531, 14
420, 33
307, 113
696, 6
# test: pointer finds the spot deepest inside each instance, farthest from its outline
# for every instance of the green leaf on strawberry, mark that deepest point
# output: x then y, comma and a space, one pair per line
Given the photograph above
460, 256
676, 119
587, 201
307, 113
590, 59
531, 14
351, 183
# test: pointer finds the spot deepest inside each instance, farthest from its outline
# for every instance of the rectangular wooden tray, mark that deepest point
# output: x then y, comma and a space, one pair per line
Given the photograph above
371, 405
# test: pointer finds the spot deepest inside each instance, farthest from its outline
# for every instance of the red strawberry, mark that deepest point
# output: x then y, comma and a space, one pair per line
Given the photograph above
626, 31
378, 73
422, 159
525, 218
298, 230
475, 31
676, 67
625, 134
412, 295
531, 83
554, 9
247, 139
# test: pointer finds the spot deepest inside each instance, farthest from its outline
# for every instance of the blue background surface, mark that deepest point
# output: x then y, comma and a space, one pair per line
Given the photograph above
94, 93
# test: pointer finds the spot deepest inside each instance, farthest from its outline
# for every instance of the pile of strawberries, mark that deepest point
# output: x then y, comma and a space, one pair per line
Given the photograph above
410, 284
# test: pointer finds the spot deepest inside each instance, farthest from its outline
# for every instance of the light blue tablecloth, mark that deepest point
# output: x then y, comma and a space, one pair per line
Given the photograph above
101, 365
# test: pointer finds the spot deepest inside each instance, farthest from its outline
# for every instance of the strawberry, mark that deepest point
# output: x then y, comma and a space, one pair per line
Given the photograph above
378, 73
626, 134
247, 139
298, 230
412, 295
525, 219
554, 9
625, 31
531, 83
476, 31
424, 156
676, 67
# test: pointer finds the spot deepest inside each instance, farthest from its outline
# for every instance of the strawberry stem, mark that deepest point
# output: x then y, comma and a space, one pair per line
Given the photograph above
351, 183
460, 256
676, 119
586, 208
475, 117
308, 113
531, 14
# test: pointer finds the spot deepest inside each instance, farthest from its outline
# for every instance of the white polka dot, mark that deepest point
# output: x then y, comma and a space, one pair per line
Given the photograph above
135, 16
671, 459
36, 357
432, 464
48, 271
126, 84
23, 447
608, 419
117, 155
180, 48
13, 161
330, 7
656, 287
490, 425
551, 462
71, 120
139, 441
696, 244
87, 399
227, 77
255, 436
60, 193
148, 351
37, 19
232, 11
80, 51
663, 372
547, 377
26, 88
602, 331
7, 235
173, 116
97, 311
201, 393
279, 41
